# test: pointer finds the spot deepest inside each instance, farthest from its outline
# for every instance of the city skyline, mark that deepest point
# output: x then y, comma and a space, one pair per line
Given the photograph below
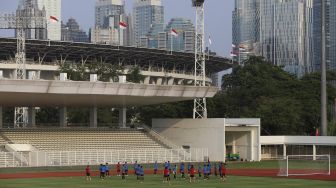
217, 17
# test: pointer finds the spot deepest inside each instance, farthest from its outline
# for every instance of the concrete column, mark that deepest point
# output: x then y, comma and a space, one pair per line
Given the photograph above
170, 81
122, 117
284, 151
1, 74
31, 117
146, 80
158, 81
93, 117
233, 144
314, 152
1, 120
63, 116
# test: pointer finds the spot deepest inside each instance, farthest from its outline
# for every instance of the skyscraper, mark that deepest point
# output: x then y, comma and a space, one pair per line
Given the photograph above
29, 8
280, 30
332, 48
72, 32
108, 16
185, 41
146, 14
53, 8
245, 22
108, 12
286, 34
330, 28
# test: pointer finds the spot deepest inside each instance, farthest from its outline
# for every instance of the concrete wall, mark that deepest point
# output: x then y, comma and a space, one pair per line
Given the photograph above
212, 133
198, 133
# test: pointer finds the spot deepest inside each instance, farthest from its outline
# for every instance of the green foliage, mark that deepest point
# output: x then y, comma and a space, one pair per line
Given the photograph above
134, 75
81, 72
285, 104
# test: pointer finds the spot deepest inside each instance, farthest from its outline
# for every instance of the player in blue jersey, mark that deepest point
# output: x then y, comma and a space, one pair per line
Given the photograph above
156, 166
182, 170
107, 169
175, 171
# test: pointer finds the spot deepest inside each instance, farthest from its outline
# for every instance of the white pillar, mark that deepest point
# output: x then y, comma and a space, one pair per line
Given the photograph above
314, 152
63, 77
63, 116
233, 144
284, 151
93, 117
1, 74
170, 81
122, 117
146, 80
159, 81
31, 117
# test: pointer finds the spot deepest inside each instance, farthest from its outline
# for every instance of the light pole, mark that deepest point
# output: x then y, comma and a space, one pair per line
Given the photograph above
324, 122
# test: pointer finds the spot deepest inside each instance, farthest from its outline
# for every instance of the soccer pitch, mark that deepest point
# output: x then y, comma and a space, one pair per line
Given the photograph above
156, 182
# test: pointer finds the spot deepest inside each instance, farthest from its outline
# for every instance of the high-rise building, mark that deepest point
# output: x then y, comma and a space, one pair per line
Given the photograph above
108, 16
72, 32
286, 34
51, 8
332, 43
146, 14
29, 8
330, 31
245, 22
185, 40
280, 30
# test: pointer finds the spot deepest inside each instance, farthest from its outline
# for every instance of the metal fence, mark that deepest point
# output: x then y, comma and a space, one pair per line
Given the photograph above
78, 158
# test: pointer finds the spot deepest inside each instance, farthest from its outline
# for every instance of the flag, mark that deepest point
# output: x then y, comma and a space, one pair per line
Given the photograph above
233, 46
53, 19
232, 54
122, 25
174, 33
210, 41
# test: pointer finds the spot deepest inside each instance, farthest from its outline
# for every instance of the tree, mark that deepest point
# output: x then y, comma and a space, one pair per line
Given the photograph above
134, 75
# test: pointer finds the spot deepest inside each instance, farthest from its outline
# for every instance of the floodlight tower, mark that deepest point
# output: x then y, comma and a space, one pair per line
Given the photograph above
200, 110
21, 21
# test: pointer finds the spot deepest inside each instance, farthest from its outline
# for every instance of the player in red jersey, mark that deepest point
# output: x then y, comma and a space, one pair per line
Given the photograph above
118, 169
166, 175
192, 174
223, 170
88, 173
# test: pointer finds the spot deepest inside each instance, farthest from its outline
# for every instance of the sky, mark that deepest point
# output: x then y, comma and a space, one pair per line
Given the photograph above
218, 17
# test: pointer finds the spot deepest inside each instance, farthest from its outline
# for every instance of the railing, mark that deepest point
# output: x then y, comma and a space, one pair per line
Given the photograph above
160, 138
79, 158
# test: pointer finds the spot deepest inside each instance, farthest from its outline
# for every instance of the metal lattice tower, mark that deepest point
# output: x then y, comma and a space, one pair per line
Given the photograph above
200, 110
22, 20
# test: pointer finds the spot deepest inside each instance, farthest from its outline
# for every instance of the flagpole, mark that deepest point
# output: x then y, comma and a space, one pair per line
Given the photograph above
171, 44
239, 56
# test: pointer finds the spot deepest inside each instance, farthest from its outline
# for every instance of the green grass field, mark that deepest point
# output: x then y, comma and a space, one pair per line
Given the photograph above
231, 165
156, 182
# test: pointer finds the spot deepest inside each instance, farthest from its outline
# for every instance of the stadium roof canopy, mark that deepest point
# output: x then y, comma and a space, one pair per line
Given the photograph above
51, 51
72, 93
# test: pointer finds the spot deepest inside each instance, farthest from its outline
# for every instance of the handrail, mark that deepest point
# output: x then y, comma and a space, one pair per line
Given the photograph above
161, 138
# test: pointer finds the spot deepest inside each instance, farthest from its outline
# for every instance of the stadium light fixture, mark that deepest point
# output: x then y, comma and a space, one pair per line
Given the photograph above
197, 3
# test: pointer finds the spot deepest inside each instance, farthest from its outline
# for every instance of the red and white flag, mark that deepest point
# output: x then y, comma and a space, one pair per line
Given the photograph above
233, 54
122, 25
53, 19
174, 33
